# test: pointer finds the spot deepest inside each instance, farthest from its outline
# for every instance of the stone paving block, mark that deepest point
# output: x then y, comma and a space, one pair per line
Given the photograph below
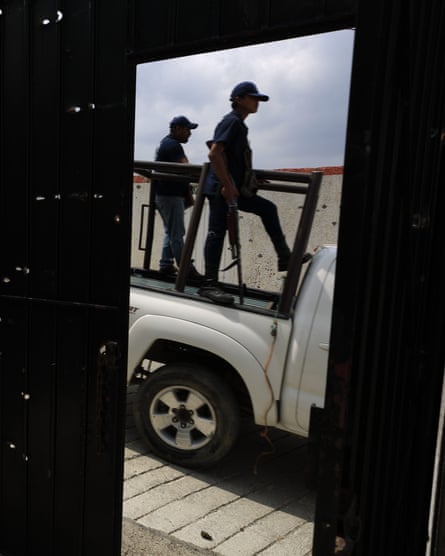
248, 504
141, 464
277, 494
140, 505
223, 523
141, 541
236, 486
263, 533
296, 543
149, 480
189, 509
134, 448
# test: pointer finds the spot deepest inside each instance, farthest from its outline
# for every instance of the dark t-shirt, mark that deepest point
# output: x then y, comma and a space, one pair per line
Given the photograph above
170, 150
232, 131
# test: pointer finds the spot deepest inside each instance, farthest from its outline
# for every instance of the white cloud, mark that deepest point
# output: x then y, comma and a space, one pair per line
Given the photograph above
303, 124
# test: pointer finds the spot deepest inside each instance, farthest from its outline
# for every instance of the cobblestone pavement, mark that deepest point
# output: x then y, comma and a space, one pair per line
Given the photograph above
253, 503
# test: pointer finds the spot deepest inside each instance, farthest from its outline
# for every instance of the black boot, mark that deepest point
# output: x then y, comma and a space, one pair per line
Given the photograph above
193, 276
284, 253
211, 289
284, 256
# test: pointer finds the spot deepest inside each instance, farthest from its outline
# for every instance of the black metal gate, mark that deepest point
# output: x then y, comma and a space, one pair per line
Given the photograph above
67, 74
66, 106
387, 352
64, 274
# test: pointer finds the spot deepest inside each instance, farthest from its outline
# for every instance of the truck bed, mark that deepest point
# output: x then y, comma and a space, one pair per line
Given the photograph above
255, 300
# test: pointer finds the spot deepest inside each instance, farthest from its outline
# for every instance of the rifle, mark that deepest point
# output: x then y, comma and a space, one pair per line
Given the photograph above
235, 244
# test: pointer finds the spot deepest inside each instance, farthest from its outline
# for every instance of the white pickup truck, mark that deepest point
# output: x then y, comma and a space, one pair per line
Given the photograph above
266, 354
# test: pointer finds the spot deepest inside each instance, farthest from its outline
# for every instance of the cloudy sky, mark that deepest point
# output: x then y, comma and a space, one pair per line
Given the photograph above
302, 125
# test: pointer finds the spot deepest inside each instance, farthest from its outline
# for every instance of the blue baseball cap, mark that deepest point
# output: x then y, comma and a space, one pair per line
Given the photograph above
247, 88
183, 121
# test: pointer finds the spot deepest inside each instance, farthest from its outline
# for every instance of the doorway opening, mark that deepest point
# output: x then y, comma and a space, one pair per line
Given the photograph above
302, 127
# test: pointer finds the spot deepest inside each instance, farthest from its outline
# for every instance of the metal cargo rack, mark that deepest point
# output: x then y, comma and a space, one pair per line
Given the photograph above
288, 182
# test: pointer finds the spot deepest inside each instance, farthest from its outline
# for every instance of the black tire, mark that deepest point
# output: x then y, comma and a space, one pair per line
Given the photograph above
187, 415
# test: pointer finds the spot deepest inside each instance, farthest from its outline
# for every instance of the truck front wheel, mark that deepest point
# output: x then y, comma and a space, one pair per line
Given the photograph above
187, 415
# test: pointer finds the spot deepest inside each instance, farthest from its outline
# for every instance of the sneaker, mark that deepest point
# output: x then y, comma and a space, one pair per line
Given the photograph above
168, 270
216, 294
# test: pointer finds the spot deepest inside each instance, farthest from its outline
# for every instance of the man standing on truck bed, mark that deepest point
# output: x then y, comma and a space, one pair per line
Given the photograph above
231, 179
172, 197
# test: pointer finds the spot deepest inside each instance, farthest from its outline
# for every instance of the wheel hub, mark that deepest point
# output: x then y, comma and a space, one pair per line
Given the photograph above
183, 417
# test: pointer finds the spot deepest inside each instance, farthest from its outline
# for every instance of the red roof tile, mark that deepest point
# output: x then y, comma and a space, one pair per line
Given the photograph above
327, 170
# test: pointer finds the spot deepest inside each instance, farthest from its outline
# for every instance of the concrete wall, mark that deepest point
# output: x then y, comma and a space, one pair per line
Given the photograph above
258, 257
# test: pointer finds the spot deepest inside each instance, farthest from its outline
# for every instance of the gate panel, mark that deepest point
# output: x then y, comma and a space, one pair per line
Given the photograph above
44, 139
387, 350
40, 410
64, 275
13, 324
159, 30
70, 428
13, 468
77, 151
14, 126
114, 98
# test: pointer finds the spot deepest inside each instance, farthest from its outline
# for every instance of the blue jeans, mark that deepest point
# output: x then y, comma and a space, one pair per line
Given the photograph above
171, 210
260, 206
